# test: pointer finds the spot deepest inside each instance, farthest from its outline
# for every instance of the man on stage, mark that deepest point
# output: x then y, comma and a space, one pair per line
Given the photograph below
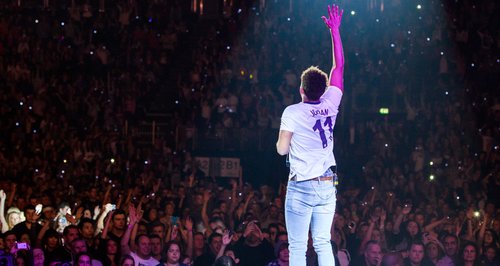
306, 135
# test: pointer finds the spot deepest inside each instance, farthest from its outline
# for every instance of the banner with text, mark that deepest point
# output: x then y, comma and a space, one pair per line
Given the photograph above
219, 166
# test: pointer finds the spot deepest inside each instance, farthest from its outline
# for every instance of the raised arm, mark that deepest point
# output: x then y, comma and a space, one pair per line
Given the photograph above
107, 208
226, 240
105, 231
430, 227
134, 218
188, 223
3, 221
399, 219
333, 23
204, 215
11, 197
367, 236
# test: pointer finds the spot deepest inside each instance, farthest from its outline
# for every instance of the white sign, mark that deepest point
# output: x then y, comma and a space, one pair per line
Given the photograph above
230, 167
219, 166
203, 163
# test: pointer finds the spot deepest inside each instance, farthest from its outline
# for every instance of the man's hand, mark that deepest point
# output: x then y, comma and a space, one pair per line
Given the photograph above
132, 214
334, 17
70, 218
156, 186
108, 207
174, 233
234, 184
46, 224
97, 210
188, 224
226, 238
207, 195
191, 180
250, 195
383, 216
3, 196
248, 229
258, 232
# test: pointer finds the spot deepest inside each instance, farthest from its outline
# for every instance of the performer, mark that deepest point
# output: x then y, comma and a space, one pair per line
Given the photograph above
306, 135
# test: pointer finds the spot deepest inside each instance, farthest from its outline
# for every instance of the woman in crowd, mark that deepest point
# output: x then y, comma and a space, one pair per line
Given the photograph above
82, 259
14, 216
410, 232
490, 239
490, 256
469, 255
38, 257
282, 255
110, 252
127, 260
173, 255
434, 252
50, 243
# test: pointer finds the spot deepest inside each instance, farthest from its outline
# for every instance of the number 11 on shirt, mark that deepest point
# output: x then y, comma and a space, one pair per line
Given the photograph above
318, 126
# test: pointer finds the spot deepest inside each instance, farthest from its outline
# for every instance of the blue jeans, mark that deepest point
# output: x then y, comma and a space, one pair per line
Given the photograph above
310, 202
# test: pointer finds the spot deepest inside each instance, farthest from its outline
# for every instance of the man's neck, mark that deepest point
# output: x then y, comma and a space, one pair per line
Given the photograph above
283, 263
198, 252
28, 224
144, 257
252, 243
118, 232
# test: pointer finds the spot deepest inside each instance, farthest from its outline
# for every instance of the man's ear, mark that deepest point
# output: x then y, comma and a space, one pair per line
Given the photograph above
301, 90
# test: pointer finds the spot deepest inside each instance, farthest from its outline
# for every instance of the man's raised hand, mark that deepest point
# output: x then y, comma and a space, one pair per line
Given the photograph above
334, 17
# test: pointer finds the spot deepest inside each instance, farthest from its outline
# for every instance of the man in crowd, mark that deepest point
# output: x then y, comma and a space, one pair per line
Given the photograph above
156, 247
416, 255
63, 253
30, 226
79, 245
372, 255
86, 227
392, 259
252, 248
141, 250
450, 243
208, 257
118, 222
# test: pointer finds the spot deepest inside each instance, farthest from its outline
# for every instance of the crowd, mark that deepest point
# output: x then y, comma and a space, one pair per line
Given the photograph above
418, 186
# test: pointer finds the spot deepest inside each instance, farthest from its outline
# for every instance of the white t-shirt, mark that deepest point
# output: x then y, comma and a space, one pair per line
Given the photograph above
142, 262
311, 147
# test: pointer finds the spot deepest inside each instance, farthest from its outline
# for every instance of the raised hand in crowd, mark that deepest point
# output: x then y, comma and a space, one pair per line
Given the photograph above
3, 221
226, 240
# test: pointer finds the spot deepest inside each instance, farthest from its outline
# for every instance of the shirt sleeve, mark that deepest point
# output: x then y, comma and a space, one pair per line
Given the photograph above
287, 123
333, 95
